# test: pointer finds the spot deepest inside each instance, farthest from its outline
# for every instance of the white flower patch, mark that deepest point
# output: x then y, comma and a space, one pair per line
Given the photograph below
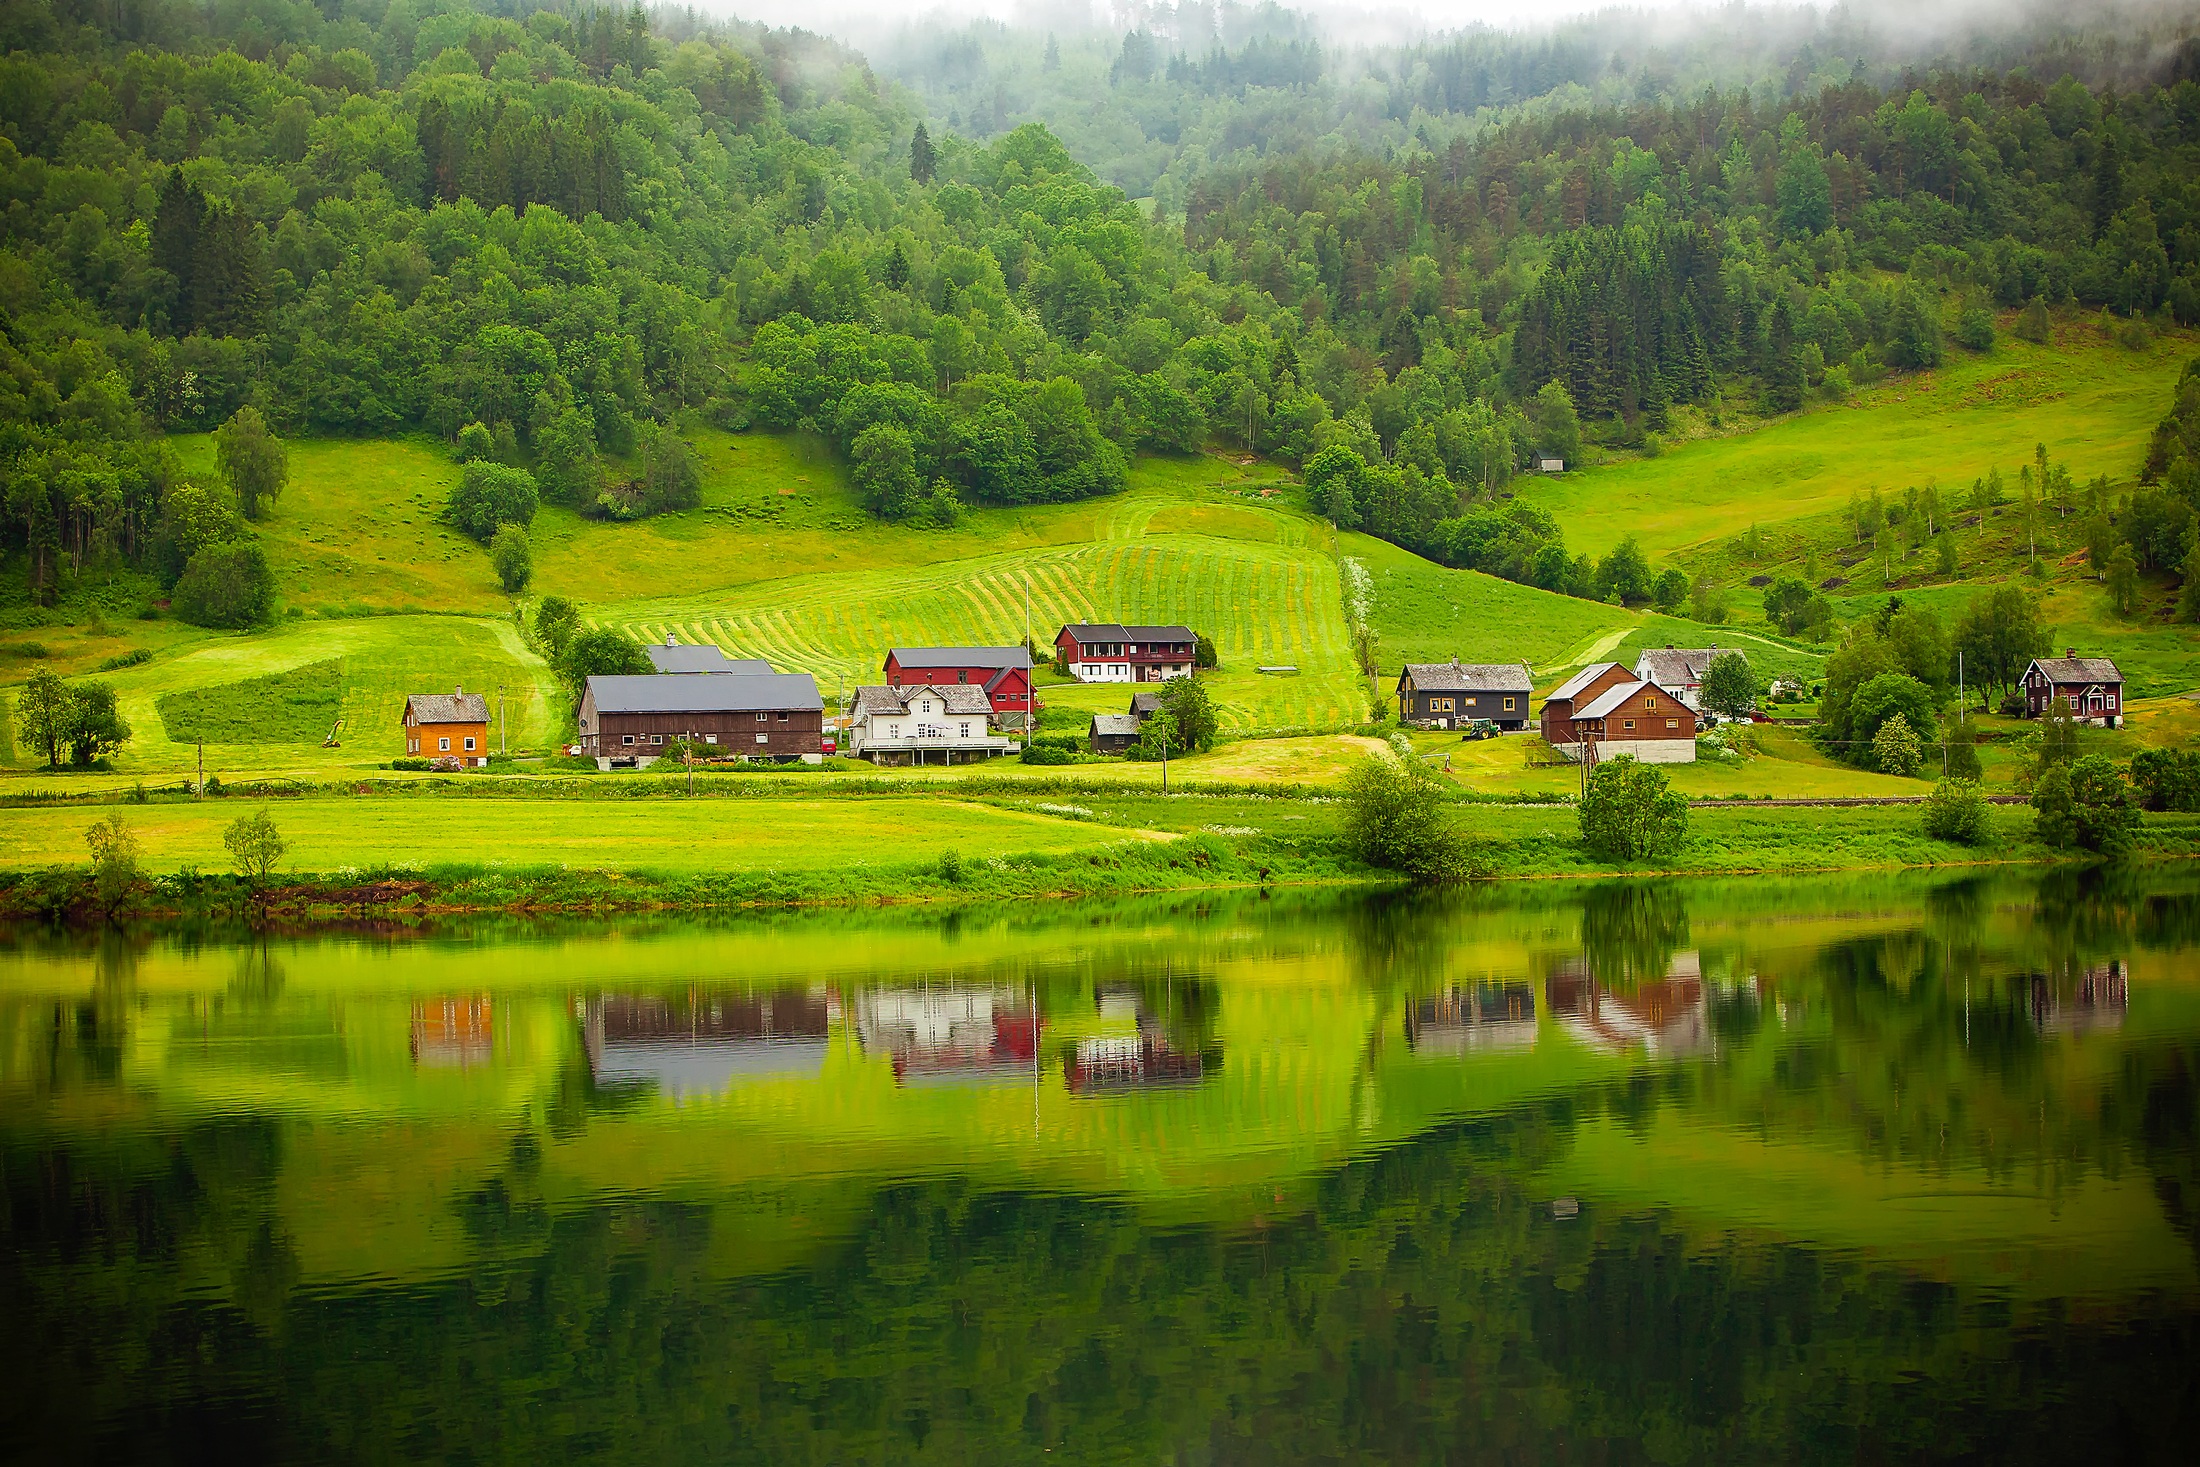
1068, 812
1229, 830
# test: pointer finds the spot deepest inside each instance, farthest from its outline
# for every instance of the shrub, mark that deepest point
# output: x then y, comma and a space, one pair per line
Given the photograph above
475, 442
228, 586
1895, 748
2086, 804
1956, 811
135, 657
1975, 329
1395, 820
951, 866
600, 652
491, 494
513, 557
254, 845
1632, 812
556, 620
2167, 779
114, 860
1729, 687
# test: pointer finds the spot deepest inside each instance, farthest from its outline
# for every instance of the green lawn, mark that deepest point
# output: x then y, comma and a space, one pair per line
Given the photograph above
672, 836
2092, 403
1425, 612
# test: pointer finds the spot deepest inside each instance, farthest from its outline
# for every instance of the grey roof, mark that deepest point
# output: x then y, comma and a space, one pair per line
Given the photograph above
955, 698
2085, 670
704, 657
1114, 723
449, 707
706, 692
1001, 657
1469, 677
1677, 667
1572, 687
1111, 631
1613, 696
1145, 705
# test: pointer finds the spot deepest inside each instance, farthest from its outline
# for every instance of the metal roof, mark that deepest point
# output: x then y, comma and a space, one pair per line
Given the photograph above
1001, 657
1674, 667
1612, 697
706, 692
1109, 631
955, 698
1572, 687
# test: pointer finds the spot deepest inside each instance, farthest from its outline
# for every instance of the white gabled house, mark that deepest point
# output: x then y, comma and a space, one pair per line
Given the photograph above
953, 724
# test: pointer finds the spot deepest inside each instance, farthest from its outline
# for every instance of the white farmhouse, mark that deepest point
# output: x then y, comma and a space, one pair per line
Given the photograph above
953, 724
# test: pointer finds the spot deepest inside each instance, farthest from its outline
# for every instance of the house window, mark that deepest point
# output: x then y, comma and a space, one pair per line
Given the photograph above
469, 745
626, 738
1508, 705
1627, 723
762, 716
1672, 723
763, 738
965, 729
962, 677
656, 738
782, 718
710, 738
444, 745
2073, 702
1650, 705
1443, 705
2112, 700
1471, 702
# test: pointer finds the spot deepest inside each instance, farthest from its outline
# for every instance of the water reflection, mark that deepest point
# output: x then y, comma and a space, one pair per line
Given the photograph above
698, 1044
1735, 1172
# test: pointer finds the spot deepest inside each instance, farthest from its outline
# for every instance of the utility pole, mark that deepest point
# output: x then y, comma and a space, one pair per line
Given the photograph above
199, 793
1163, 717
504, 742
690, 751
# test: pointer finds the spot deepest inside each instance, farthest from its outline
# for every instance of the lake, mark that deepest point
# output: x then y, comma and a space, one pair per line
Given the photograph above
1828, 1170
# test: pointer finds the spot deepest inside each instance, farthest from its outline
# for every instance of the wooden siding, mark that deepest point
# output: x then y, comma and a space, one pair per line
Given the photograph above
1651, 713
1558, 713
425, 740
787, 734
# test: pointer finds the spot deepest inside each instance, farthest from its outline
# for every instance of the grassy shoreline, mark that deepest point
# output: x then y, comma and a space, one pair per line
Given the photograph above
1002, 850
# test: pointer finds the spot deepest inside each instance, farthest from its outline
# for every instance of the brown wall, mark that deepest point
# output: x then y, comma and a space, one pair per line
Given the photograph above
1649, 721
1557, 719
796, 732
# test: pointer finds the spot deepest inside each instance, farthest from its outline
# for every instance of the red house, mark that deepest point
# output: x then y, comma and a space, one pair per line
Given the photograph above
1004, 673
1109, 652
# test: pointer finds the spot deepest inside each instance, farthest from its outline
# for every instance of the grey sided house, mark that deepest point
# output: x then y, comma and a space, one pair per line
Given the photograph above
947, 723
1454, 694
773, 715
1680, 670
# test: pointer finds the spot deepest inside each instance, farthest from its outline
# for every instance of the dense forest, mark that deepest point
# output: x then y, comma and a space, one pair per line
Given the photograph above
541, 231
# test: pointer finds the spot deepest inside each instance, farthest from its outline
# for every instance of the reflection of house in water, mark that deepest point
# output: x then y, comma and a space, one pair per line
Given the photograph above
452, 1032
947, 1033
1154, 1057
1668, 1017
2096, 1001
702, 1044
1485, 1016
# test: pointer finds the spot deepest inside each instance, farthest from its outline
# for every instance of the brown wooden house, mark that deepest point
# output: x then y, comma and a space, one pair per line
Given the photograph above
1637, 718
776, 716
1579, 691
448, 726
2091, 686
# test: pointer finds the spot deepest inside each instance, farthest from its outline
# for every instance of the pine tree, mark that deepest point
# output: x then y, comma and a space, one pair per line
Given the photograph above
1783, 363
176, 226
922, 160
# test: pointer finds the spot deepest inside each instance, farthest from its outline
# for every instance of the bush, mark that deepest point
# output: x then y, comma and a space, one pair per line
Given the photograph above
1956, 811
255, 845
513, 557
951, 866
1036, 753
114, 860
1895, 748
475, 442
491, 494
1975, 329
1632, 812
229, 586
1395, 820
2167, 779
601, 652
2085, 804
136, 657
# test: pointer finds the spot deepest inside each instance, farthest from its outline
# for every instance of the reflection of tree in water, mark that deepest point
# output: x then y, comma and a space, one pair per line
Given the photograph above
1011, 1326
1631, 929
259, 977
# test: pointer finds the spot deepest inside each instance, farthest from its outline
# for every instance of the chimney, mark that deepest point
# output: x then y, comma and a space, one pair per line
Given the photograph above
459, 691
672, 639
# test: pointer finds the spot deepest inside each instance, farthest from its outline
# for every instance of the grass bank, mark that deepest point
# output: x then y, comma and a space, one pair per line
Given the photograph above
349, 857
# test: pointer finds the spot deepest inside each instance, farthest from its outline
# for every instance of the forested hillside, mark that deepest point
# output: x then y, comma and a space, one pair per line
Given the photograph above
540, 233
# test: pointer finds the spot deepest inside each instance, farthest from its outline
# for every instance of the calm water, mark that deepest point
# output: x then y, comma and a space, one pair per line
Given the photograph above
1724, 1173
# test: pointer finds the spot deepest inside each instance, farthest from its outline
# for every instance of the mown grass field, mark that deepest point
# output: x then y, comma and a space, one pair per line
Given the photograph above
2091, 402
672, 836
379, 661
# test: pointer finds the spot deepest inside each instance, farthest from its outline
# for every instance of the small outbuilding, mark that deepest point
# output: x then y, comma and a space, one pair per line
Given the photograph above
1145, 705
1453, 694
1113, 733
2092, 686
448, 726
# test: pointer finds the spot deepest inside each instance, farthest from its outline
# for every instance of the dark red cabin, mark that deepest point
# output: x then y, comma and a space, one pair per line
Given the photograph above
1004, 672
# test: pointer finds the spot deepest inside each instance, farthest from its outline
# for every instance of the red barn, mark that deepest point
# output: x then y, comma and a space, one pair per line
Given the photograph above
1004, 673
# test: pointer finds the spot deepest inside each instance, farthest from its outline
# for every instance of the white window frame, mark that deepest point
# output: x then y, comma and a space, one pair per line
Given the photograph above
443, 746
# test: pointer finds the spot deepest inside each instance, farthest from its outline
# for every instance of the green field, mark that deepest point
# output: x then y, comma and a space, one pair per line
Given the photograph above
2092, 403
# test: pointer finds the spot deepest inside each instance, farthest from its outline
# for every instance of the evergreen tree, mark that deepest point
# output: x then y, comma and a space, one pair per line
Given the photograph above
922, 160
1783, 361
